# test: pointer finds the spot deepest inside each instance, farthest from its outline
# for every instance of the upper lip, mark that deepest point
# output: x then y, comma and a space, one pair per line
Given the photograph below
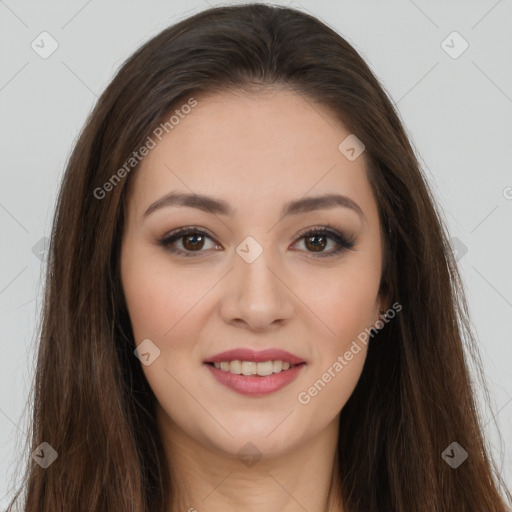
247, 354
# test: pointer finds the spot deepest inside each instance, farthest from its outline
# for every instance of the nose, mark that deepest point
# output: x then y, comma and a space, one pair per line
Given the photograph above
257, 296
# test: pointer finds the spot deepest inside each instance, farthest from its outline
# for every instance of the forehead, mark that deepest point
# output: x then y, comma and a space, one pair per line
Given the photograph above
253, 149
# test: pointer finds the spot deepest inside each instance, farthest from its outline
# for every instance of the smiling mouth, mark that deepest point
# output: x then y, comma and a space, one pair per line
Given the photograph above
254, 369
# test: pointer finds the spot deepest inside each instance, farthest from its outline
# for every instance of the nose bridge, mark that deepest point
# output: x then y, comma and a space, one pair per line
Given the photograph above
260, 296
257, 274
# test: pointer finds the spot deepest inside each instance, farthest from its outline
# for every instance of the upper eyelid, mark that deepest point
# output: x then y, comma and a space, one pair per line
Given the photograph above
303, 232
186, 230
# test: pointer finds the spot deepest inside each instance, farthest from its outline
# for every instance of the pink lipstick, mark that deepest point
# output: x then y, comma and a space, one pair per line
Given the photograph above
255, 373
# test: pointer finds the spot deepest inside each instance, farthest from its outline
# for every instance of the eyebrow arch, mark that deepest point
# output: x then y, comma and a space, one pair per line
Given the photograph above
221, 207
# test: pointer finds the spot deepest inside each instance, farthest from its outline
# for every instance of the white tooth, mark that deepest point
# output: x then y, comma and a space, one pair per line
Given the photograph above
262, 369
265, 368
248, 368
235, 367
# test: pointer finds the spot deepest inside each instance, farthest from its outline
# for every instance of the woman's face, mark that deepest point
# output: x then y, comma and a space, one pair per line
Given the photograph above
252, 280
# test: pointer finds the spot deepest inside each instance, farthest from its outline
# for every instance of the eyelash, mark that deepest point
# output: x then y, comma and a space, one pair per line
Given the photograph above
344, 242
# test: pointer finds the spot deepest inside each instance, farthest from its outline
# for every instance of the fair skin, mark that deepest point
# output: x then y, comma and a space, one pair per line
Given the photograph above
256, 152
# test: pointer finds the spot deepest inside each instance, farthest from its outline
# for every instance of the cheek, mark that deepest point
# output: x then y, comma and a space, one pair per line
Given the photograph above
346, 303
338, 359
158, 297
162, 305
346, 307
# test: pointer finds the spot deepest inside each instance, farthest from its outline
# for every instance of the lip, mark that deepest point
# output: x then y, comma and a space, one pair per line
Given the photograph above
254, 385
247, 354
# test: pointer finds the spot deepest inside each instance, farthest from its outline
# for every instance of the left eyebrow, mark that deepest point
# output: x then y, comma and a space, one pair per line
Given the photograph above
221, 207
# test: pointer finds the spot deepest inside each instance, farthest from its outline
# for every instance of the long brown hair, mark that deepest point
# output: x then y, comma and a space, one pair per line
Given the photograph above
92, 403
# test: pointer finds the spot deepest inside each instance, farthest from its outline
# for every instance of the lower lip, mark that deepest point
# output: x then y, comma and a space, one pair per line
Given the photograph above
254, 385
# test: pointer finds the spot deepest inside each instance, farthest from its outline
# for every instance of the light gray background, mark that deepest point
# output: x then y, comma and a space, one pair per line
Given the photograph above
457, 112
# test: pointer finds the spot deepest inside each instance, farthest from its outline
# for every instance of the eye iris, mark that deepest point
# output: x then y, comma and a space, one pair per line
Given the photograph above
317, 247
195, 244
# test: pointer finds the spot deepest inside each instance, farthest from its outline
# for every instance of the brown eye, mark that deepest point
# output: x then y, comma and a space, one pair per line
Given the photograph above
316, 243
317, 239
193, 242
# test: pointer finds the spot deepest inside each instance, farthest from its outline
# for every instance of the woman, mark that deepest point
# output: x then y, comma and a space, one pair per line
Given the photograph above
251, 301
